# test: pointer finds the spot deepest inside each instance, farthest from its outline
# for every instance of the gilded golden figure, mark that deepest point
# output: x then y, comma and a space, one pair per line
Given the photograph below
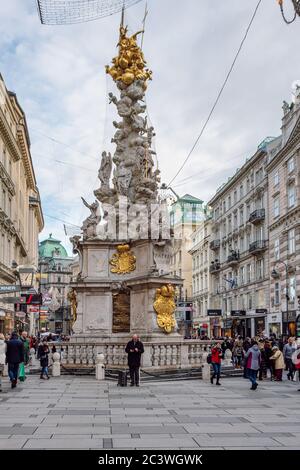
124, 261
165, 306
72, 297
130, 65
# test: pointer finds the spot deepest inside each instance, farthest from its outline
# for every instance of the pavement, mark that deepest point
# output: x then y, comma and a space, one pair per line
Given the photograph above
71, 412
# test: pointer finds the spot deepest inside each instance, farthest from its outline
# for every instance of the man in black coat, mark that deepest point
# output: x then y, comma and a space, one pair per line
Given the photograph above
134, 349
14, 356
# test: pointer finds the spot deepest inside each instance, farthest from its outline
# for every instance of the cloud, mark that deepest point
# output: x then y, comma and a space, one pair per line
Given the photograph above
58, 75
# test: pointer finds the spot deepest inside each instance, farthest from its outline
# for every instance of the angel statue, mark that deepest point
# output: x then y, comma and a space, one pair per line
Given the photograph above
105, 170
90, 224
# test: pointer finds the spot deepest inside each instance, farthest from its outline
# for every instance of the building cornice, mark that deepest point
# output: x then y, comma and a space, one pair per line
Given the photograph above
293, 140
284, 218
8, 137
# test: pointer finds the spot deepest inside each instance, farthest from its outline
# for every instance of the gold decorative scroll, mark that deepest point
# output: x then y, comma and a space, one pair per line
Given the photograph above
130, 65
165, 306
124, 261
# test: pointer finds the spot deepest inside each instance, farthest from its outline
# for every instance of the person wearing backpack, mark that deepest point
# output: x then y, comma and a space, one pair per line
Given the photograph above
43, 353
216, 359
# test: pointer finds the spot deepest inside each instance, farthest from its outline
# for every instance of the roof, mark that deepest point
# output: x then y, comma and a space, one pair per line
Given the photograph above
51, 247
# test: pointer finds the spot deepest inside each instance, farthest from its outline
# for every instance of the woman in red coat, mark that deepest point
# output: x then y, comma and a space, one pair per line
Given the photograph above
216, 358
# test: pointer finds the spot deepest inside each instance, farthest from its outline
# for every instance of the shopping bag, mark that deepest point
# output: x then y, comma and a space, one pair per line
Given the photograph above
22, 376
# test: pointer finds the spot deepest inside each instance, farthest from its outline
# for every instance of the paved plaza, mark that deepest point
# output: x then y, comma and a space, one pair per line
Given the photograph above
80, 413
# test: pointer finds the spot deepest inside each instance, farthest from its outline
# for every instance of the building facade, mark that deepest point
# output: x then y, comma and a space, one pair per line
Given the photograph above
21, 218
185, 216
284, 223
239, 241
201, 279
55, 277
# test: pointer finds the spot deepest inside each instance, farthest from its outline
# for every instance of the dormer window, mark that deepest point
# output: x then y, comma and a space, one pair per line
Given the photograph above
291, 165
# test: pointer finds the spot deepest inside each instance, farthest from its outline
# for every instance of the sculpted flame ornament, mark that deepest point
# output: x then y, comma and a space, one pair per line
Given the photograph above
130, 65
164, 306
123, 261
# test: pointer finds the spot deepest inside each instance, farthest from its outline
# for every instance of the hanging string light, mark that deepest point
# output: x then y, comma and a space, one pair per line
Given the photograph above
296, 5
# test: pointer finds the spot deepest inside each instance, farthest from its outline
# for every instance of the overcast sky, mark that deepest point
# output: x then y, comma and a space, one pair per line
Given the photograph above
58, 75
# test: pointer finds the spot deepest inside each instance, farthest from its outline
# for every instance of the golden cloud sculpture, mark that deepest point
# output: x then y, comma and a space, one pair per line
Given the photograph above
165, 306
130, 64
124, 261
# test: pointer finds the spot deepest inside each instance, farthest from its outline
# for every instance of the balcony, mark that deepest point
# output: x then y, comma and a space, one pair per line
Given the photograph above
257, 247
234, 258
257, 216
214, 267
215, 244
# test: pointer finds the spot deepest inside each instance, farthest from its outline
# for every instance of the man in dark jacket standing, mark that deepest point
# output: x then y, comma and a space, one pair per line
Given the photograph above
134, 349
14, 356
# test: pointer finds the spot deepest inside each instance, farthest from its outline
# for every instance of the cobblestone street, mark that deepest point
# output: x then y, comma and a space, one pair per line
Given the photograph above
81, 413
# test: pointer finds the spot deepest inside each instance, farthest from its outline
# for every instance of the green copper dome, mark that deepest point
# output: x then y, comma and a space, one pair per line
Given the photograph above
51, 247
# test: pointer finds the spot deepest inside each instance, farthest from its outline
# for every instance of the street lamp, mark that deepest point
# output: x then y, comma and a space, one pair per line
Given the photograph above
275, 275
296, 5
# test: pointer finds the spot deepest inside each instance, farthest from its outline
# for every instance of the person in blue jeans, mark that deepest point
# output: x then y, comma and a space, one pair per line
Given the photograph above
216, 358
253, 361
43, 353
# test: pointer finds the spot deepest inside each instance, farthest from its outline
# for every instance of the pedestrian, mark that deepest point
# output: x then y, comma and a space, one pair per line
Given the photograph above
263, 363
277, 357
2, 356
216, 359
288, 350
238, 353
269, 364
43, 353
14, 357
25, 340
134, 349
253, 360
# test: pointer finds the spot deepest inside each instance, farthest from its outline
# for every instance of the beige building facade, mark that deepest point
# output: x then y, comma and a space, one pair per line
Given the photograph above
21, 218
239, 241
201, 278
284, 223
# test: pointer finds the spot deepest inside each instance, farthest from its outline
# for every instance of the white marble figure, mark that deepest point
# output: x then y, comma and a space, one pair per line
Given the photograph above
89, 227
105, 170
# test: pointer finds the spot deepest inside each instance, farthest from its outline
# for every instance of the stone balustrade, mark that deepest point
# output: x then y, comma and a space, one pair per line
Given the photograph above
183, 354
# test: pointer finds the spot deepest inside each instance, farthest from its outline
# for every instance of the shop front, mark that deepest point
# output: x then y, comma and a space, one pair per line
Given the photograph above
289, 323
239, 324
274, 324
6, 321
215, 322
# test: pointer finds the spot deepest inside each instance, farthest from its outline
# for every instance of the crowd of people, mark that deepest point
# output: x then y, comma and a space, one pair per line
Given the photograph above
16, 350
265, 358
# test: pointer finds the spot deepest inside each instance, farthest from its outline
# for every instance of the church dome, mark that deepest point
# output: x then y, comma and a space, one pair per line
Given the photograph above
51, 248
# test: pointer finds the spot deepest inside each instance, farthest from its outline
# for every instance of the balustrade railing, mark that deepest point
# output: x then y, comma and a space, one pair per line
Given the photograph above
187, 353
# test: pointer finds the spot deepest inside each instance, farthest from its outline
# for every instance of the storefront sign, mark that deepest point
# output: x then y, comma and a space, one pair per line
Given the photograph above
214, 313
238, 313
289, 316
263, 311
8, 288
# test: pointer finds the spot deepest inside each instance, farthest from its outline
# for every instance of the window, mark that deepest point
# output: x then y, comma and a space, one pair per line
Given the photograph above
277, 293
235, 196
276, 206
249, 272
229, 202
4, 200
241, 216
276, 178
242, 244
235, 220
242, 275
249, 300
292, 289
260, 269
224, 207
291, 196
241, 191
291, 165
277, 249
291, 242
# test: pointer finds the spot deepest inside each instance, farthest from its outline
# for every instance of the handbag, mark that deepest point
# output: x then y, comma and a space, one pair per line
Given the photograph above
22, 375
208, 359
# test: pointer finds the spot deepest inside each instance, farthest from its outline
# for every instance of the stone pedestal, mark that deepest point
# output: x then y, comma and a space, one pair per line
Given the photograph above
102, 294
56, 365
100, 369
206, 372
